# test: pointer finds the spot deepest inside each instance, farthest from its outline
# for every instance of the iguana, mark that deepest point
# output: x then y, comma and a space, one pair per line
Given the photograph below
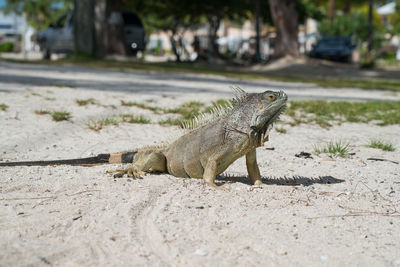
210, 145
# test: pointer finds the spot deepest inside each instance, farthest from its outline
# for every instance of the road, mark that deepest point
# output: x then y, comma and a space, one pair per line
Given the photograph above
16, 76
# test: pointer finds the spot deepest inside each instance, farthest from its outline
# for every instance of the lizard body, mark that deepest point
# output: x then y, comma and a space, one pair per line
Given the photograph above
209, 146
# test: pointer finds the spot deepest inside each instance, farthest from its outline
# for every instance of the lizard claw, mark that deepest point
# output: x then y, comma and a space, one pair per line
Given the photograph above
131, 171
214, 186
134, 172
258, 183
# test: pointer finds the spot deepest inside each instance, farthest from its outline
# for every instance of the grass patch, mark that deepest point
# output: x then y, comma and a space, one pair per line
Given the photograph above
129, 118
218, 103
187, 110
381, 145
56, 115
99, 124
323, 112
50, 98
171, 121
42, 112
3, 107
337, 148
85, 102
227, 71
190, 110
60, 115
36, 94
196, 68
142, 106
281, 130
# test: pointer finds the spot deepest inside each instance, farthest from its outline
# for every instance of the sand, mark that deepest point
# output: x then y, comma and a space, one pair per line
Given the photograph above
322, 211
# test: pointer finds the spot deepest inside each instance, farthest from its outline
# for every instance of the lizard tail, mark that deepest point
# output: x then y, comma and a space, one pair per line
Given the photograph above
125, 157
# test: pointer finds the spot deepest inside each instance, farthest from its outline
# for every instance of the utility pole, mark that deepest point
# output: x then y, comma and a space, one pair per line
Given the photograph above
24, 33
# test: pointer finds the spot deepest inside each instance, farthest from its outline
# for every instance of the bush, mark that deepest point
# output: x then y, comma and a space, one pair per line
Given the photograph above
6, 47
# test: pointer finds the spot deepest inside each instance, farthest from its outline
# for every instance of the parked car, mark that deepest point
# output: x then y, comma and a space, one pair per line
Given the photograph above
59, 37
337, 48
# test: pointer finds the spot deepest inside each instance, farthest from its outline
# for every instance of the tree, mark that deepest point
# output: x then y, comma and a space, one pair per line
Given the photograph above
176, 16
394, 19
84, 27
98, 27
285, 18
354, 24
173, 16
40, 13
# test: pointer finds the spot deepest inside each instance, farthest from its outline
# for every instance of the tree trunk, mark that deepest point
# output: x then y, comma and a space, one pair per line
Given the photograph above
285, 18
332, 9
114, 31
99, 27
347, 7
214, 22
173, 45
83, 26
370, 31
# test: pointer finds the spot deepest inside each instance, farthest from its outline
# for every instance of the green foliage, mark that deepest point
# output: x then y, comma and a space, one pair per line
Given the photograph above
170, 121
309, 9
85, 102
355, 25
129, 118
168, 67
280, 130
380, 145
40, 13
337, 148
3, 107
6, 47
60, 115
56, 115
42, 112
187, 110
321, 112
394, 19
140, 105
99, 124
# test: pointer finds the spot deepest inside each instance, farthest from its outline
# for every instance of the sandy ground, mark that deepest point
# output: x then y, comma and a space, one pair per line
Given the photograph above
311, 212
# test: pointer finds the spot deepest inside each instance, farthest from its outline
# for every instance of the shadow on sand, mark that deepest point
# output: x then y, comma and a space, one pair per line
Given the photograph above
295, 180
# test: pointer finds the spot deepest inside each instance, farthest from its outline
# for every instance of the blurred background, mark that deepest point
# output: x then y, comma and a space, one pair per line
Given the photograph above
229, 32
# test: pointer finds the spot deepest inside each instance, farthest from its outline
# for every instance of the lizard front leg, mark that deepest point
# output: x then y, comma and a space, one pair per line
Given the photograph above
252, 167
210, 172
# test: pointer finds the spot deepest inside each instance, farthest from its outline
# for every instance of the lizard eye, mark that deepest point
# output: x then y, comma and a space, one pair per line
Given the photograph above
271, 97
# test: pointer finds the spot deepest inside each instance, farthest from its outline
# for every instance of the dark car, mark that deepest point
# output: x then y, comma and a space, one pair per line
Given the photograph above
337, 48
59, 37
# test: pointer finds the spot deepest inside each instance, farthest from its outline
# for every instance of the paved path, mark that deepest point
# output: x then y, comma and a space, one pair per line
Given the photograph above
15, 76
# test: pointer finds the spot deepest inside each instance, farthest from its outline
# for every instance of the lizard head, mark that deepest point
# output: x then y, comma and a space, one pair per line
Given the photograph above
269, 106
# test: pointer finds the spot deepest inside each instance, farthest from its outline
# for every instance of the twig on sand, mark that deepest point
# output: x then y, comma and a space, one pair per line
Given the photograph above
374, 192
27, 198
379, 159
82, 192
357, 214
